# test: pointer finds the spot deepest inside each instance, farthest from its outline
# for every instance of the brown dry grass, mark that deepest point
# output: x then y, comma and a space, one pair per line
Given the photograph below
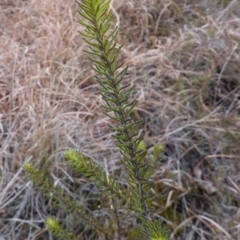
183, 57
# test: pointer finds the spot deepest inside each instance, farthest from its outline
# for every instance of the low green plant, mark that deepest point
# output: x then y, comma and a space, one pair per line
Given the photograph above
137, 197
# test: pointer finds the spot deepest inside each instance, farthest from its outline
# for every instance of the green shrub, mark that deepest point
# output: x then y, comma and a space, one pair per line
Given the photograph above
138, 196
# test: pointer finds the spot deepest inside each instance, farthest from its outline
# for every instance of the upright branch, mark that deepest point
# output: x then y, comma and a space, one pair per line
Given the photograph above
104, 54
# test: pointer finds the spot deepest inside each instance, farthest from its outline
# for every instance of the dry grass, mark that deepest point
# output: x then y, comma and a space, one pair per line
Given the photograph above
183, 57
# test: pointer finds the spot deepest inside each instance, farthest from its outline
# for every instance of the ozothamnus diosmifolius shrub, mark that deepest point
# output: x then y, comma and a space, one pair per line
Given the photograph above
96, 17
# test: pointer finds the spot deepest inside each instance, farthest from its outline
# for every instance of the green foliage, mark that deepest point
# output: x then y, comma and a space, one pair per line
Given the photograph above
58, 197
158, 151
103, 53
136, 234
89, 169
57, 230
156, 231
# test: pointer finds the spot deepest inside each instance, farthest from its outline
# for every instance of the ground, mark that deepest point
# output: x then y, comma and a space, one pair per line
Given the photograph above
183, 59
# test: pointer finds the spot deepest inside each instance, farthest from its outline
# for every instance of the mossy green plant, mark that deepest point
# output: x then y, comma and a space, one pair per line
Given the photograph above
96, 17
104, 53
55, 227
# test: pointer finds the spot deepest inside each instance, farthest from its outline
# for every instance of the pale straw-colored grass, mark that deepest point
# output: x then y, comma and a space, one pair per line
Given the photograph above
183, 57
